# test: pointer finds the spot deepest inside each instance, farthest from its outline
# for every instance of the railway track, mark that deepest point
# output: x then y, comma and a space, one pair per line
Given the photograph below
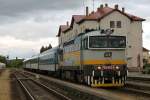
139, 79
140, 85
131, 87
70, 92
38, 91
132, 91
123, 91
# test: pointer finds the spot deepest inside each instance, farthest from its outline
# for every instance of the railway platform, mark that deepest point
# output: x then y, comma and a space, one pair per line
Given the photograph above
5, 90
9, 89
138, 74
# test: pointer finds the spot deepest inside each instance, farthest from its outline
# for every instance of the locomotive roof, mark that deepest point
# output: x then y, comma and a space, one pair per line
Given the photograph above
33, 57
50, 50
44, 53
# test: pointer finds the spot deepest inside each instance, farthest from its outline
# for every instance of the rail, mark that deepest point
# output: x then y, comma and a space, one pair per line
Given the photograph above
29, 95
51, 91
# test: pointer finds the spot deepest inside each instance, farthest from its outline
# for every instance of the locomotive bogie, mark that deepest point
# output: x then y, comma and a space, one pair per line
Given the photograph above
103, 77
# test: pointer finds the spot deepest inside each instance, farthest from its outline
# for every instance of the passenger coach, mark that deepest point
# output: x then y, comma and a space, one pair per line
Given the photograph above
44, 62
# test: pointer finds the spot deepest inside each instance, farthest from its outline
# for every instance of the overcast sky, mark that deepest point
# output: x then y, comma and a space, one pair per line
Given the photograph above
26, 25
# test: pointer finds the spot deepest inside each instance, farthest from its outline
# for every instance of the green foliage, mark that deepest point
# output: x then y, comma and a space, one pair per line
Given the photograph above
15, 63
3, 59
11, 63
45, 48
42, 49
146, 68
145, 62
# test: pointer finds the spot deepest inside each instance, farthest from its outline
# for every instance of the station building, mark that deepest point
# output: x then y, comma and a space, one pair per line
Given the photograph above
105, 17
2, 65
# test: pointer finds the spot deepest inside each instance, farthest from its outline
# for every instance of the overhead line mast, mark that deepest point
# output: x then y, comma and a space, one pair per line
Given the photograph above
93, 5
84, 6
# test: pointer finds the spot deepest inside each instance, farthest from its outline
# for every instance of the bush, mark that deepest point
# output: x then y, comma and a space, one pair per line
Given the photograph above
15, 63
146, 69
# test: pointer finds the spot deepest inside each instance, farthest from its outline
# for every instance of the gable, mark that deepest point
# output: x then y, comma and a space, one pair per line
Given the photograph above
116, 16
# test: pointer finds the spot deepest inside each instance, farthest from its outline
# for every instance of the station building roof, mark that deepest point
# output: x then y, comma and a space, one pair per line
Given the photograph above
144, 49
97, 16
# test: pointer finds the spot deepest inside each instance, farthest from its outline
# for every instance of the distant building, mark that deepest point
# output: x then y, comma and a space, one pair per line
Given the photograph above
2, 65
123, 23
146, 56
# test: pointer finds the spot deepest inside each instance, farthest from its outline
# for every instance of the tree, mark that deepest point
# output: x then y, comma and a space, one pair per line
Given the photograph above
42, 49
15, 63
45, 48
50, 46
3, 59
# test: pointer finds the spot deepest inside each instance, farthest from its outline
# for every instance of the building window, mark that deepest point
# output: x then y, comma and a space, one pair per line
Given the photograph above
112, 24
81, 29
118, 24
60, 40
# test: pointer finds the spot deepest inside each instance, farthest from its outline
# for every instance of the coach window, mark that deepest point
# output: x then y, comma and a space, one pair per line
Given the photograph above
118, 24
112, 24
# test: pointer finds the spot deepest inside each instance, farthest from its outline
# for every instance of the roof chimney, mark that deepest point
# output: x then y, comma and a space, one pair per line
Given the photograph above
87, 10
123, 10
116, 6
98, 9
106, 5
67, 23
92, 12
101, 6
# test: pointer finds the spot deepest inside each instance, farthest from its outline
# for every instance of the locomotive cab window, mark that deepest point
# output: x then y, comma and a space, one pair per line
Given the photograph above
107, 42
117, 42
97, 42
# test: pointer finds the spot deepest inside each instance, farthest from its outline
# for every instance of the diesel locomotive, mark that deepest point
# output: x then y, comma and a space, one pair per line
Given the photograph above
95, 57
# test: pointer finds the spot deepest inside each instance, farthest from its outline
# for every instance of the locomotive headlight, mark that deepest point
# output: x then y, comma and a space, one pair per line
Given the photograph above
117, 67
99, 67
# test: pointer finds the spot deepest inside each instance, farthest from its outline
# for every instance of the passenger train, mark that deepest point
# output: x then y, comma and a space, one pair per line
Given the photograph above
94, 58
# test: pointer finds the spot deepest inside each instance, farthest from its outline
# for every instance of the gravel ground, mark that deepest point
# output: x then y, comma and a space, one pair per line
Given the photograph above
16, 90
5, 90
9, 87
